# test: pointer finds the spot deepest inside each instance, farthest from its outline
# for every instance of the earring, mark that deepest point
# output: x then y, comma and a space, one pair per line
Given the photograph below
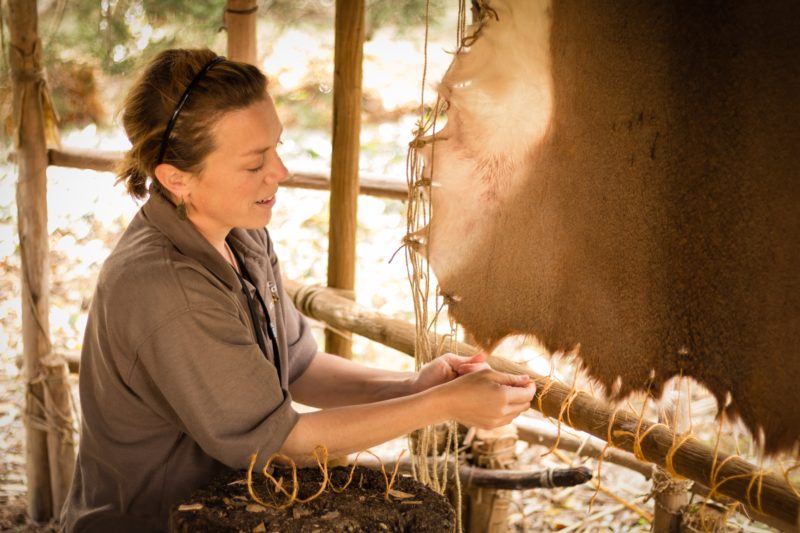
181, 209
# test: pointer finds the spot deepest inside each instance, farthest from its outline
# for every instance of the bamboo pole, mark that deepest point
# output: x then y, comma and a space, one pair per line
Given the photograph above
731, 476
106, 161
240, 21
348, 59
28, 84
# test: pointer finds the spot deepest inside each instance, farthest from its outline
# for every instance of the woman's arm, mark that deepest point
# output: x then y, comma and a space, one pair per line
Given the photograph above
332, 381
484, 399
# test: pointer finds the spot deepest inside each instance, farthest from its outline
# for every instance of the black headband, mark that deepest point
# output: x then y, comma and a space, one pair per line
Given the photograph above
171, 124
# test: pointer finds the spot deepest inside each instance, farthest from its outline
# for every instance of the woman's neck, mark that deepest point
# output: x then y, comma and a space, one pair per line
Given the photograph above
216, 237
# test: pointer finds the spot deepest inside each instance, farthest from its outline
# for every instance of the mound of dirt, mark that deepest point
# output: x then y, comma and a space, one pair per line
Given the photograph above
361, 507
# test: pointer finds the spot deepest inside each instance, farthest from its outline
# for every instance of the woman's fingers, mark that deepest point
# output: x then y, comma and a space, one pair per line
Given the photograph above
468, 368
457, 361
488, 398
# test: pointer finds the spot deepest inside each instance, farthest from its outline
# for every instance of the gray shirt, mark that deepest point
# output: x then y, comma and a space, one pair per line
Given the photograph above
173, 386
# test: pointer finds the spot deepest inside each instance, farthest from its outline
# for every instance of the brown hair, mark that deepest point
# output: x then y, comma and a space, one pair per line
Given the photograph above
147, 109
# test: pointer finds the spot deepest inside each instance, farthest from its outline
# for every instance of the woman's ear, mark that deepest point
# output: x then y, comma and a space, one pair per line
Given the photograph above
173, 180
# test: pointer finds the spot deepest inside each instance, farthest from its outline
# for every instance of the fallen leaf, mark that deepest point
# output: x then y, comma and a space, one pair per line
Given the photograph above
331, 515
238, 482
190, 507
411, 502
260, 528
255, 508
399, 494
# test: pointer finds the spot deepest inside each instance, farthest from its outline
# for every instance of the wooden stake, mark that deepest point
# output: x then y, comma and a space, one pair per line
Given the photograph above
28, 87
59, 421
240, 21
694, 460
486, 509
671, 495
348, 58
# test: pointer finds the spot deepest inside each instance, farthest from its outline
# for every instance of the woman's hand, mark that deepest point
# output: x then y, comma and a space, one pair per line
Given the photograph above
446, 368
487, 399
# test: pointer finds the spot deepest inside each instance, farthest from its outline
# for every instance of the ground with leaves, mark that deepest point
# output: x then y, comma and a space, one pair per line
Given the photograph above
363, 505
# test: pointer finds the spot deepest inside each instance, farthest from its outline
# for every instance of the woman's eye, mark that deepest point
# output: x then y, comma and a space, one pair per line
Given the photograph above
256, 169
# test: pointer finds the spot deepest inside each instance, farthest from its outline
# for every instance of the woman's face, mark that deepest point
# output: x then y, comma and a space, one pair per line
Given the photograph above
237, 185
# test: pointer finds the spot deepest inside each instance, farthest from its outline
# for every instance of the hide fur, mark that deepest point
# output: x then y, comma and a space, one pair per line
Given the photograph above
621, 178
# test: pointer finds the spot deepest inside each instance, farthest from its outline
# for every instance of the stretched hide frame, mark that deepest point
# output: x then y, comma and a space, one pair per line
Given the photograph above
620, 179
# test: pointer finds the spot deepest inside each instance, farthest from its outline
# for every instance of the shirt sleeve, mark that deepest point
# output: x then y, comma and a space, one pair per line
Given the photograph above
302, 345
202, 371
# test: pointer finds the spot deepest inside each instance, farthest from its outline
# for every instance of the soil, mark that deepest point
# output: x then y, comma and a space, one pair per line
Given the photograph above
362, 507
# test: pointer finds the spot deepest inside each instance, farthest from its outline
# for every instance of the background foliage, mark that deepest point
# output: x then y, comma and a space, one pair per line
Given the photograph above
94, 44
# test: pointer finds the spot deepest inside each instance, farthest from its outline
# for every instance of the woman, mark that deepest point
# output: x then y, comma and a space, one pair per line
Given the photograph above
193, 353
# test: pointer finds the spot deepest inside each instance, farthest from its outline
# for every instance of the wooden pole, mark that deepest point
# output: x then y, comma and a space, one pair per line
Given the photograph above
28, 84
348, 58
732, 476
106, 161
500, 479
545, 433
60, 430
486, 508
240, 22
671, 495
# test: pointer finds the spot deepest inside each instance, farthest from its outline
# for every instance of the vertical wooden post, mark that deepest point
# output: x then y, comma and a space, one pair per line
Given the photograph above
60, 431
240, 21
486, 510
28, 84
348, 58
672, 495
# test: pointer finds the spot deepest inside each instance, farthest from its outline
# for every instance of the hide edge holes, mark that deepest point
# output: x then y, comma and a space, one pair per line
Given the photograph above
418, 241
449, 299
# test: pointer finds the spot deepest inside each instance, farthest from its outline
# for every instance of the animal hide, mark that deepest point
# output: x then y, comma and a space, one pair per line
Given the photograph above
620, 179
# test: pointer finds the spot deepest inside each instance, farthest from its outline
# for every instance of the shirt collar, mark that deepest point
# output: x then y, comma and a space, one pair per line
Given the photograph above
160, 212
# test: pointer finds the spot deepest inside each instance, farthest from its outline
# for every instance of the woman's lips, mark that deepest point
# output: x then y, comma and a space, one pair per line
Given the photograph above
267, 202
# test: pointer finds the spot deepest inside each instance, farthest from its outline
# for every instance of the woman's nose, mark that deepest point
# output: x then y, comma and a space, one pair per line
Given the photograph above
279, 170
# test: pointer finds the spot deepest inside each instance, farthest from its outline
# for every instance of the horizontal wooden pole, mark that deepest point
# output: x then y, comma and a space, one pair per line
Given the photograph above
472, 476
488, 478
732, 476
546, 434
107, 161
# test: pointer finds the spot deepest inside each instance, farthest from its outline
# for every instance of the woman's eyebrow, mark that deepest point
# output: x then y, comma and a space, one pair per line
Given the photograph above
257, 151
